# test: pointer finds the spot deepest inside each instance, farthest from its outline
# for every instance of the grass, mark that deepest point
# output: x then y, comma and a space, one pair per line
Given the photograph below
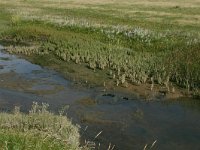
137, 42
39, 129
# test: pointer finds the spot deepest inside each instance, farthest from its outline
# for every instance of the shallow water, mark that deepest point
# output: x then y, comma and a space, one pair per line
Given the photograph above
127, 122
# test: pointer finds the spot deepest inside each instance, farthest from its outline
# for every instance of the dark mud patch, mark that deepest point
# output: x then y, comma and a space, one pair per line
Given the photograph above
87, 102
109, 95
1, 66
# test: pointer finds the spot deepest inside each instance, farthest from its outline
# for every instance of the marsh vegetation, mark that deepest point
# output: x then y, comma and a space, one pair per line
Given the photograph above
132, 46
39, 129
137, 42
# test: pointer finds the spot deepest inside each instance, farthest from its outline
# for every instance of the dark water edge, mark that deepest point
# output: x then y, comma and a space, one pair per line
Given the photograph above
125, 120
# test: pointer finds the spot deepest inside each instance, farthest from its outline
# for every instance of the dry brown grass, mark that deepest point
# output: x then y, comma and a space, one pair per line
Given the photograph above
119, 8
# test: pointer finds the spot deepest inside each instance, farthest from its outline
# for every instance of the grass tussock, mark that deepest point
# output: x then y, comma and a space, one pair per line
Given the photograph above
39, 129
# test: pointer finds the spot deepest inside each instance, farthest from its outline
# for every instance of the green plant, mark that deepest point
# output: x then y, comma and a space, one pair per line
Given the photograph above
15, 19
39, 129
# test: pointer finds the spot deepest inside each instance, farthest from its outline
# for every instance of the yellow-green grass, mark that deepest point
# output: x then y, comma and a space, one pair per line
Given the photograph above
128, 13
39, 129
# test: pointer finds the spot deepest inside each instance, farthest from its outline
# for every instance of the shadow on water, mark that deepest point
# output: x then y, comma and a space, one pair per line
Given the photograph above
127, 122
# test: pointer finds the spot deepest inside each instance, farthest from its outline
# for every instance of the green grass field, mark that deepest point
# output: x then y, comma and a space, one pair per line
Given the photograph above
131, 42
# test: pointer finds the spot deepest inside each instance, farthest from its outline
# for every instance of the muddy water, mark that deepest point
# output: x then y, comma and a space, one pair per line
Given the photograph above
126, 121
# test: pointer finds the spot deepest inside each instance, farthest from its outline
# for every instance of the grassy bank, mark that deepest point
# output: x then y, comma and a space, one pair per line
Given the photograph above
129, 43
39, 129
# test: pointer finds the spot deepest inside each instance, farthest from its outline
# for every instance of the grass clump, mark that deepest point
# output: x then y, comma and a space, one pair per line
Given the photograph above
39, 129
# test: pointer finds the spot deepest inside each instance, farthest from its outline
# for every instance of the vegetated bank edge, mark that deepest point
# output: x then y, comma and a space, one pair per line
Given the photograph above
93, 58
39, 129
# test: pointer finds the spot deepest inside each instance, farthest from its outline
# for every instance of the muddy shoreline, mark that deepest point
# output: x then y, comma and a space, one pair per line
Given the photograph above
84, 77
119, 115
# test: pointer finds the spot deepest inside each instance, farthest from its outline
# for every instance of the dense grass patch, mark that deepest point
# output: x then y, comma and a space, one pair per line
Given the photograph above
39, 129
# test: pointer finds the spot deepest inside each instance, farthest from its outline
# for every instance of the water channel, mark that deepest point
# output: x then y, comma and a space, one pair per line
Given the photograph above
125, 121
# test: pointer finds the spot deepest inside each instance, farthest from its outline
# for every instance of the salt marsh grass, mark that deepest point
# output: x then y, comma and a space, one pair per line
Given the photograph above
39, 129
135, 40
